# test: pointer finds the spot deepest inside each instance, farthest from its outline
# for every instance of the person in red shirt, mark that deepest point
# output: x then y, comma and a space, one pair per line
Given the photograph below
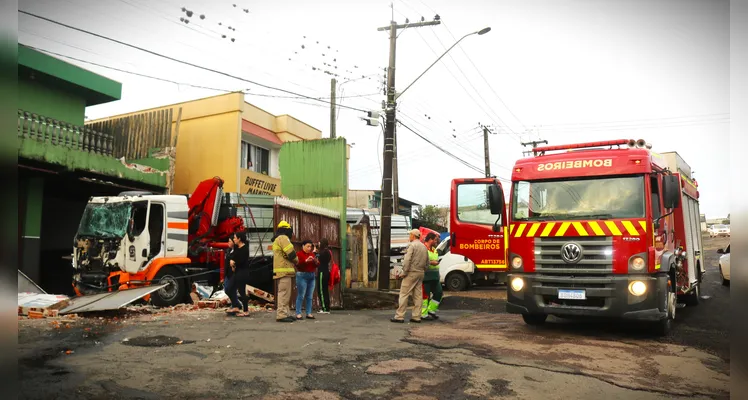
306, 272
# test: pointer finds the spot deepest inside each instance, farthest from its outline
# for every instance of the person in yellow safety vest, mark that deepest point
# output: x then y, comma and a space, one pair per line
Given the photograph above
284, 267
431, 283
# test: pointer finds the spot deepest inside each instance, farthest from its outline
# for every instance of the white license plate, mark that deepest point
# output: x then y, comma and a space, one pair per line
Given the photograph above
572, 294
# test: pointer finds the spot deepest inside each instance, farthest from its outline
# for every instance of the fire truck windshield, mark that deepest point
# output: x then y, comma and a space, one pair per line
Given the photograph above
108, 220
595, 198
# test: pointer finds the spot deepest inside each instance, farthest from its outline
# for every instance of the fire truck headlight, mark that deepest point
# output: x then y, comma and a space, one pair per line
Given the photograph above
517, 262
638, 264
517, 284
637, 288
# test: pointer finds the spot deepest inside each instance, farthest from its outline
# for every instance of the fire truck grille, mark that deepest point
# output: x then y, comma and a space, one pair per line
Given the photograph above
596, 255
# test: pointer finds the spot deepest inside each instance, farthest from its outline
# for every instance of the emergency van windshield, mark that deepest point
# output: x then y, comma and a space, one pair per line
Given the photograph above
595, 198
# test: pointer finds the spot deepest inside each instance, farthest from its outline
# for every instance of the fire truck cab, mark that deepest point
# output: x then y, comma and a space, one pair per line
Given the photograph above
601, 229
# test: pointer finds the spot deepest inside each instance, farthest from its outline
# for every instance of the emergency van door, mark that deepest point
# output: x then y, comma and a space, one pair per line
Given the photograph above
137, 240
478, 232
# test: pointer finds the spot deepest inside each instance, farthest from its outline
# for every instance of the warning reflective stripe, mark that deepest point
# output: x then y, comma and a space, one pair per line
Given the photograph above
596, 228
562, 230
548, 228
657, 266
613, 228
580, 229
287, 248
644, 226
489, 266
630, 228
533, 229
284, 270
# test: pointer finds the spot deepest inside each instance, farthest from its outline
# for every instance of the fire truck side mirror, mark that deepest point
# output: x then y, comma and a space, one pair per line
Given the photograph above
670, 191
495, 199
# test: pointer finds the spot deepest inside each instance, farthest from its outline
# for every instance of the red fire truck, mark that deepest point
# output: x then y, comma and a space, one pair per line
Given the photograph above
601, 229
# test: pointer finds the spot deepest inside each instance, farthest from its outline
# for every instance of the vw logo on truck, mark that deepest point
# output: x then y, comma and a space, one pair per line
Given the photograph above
571, 253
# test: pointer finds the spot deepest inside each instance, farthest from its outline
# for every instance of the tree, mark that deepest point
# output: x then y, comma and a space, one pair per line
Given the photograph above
431, 217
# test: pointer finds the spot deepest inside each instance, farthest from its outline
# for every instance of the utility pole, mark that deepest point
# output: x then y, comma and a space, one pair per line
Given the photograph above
486, 131
386, 208
333, 89
534, 144
396, 202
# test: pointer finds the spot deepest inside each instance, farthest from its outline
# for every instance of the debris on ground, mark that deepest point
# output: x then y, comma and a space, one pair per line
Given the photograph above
36, 305
260, 294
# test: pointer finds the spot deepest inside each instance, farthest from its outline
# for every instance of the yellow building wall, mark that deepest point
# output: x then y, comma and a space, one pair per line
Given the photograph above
207, 141
209, 137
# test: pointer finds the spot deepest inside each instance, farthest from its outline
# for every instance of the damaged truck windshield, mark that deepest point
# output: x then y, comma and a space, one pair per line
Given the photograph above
105, 220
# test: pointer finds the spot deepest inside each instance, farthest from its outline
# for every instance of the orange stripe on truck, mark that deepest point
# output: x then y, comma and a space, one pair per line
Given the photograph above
177, 225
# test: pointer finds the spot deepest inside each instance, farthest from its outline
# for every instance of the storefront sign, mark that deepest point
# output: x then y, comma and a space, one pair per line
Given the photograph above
254, 183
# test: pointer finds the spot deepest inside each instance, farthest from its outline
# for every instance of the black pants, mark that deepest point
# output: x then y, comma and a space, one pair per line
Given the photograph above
240, 280
323, 282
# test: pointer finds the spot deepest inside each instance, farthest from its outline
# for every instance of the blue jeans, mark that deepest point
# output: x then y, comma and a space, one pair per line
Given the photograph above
304, 291
231, 290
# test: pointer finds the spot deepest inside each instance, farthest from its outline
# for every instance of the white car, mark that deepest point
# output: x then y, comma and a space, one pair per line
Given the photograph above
724, 265
719, 230
454, 269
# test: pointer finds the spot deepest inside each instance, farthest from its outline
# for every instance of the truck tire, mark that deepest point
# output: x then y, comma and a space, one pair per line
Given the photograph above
172, 294
534, 319
663, 326
692, 299
456, 282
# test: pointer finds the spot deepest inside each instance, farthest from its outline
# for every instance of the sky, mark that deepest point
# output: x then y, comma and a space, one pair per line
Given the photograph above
564, 71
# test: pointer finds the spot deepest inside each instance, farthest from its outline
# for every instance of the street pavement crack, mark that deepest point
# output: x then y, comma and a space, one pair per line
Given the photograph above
552, 370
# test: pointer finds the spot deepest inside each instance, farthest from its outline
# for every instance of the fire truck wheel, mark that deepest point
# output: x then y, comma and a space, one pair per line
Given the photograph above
693, 298
663, 326
456, 281
172, 294
534, 319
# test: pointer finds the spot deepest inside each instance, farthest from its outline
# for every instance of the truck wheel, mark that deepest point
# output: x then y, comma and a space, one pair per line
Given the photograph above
663, 326
692, 299
456, 282
176, 290
534, 319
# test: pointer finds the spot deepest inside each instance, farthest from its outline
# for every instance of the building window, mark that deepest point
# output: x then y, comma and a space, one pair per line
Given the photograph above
255, 158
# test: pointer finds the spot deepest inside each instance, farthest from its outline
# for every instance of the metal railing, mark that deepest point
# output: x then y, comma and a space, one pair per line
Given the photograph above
58, 133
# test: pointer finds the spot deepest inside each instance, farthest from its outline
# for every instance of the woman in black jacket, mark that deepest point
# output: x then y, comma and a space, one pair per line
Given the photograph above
240, 267
323, 275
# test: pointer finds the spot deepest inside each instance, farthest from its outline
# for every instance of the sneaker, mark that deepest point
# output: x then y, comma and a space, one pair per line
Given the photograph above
433, 315
427, 318
323, 312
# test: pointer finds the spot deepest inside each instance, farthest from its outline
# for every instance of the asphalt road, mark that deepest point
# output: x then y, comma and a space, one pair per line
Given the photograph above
476, 352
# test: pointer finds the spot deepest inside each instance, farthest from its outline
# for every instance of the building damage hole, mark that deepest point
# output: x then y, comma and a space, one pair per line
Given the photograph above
156, 341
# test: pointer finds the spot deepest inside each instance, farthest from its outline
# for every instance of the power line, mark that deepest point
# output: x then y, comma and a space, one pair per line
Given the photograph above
180, 61
467, 164
184, 83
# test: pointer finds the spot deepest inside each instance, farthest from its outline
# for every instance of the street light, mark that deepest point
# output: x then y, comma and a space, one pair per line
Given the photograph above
480, 32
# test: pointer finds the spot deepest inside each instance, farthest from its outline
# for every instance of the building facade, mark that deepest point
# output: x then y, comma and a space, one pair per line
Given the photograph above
226, 136
61, 163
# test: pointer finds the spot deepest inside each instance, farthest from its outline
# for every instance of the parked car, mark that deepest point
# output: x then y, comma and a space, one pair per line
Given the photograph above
719, 230
724, 265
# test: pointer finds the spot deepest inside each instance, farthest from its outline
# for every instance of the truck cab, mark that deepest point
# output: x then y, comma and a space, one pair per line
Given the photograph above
478, 232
